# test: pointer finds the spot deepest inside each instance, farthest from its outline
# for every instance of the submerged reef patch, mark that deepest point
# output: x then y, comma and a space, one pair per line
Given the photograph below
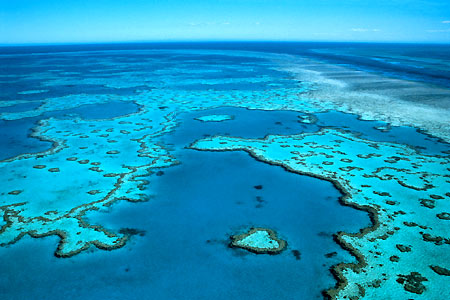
215, 118
412, 282
440, 270
307, 119
259, 241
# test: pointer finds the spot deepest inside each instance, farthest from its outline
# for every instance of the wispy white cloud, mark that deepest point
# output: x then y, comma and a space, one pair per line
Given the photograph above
439, 30
194, 24
359, 29
364, 30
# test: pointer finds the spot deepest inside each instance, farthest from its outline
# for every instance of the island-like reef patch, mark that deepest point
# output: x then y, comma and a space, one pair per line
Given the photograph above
259, 241
215, 118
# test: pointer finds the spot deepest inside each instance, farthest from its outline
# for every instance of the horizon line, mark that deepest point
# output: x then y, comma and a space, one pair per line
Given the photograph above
212, 41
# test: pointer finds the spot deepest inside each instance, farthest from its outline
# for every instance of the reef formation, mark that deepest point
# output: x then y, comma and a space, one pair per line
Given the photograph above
259, 241
93, 164
215, 118
405, 192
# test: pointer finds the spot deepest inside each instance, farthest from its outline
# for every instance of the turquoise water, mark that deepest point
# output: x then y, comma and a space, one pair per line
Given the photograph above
182, 233
15, 134
183, 252
85, 130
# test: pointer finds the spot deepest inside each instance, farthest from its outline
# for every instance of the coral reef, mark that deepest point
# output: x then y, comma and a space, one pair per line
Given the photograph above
215, 118
259, 241
404, 232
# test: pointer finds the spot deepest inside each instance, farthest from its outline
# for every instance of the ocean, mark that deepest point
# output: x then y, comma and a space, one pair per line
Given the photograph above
128, 168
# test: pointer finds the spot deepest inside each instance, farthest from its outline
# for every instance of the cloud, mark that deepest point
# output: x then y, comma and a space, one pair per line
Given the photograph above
446, 22
439, 30
194, 24
365, 30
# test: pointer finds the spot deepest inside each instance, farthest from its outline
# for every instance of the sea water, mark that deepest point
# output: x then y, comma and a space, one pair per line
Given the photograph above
178, 239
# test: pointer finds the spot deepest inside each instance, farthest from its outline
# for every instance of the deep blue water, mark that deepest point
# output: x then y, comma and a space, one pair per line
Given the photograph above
249, 123
180, 249
398, 134
22, 107
408, 61
181, 252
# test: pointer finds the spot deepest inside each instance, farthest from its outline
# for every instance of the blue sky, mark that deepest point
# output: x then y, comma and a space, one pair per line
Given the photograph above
64, 21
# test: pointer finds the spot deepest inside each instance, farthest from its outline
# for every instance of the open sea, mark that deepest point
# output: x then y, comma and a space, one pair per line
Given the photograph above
104, 194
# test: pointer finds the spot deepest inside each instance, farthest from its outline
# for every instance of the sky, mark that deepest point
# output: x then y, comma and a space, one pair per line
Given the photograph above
97, 21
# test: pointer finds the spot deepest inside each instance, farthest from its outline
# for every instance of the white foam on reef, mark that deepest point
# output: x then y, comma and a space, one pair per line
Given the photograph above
215, 118
32, 92
374, 97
